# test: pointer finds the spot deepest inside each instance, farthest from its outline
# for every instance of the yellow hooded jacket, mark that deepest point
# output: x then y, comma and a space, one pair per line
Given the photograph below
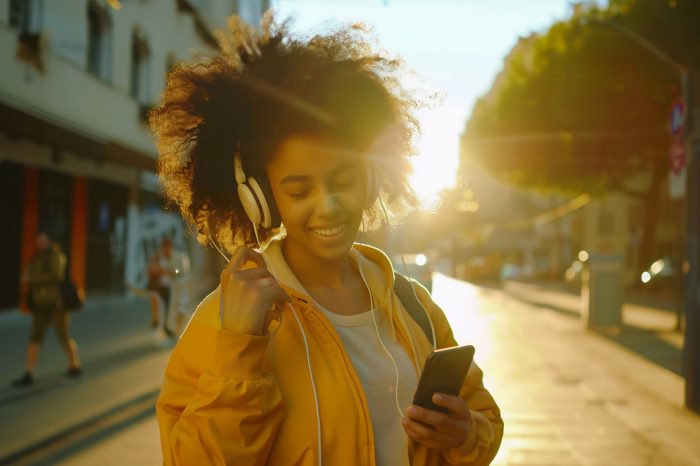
232, 399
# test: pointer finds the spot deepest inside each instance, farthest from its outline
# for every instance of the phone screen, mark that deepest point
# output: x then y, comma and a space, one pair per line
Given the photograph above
443, 372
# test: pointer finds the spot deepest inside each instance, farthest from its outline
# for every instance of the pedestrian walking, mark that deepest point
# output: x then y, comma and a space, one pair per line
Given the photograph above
43, 277
277, 150
168, 277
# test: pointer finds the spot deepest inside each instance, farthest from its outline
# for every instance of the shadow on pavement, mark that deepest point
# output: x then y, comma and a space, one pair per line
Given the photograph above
648, 344
91, 432
93, 368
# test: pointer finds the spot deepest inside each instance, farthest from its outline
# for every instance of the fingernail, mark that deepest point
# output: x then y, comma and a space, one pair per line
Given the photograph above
437, 397
265, 282
412, 410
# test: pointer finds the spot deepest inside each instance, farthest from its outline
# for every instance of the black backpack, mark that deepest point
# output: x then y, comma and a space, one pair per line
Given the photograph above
404, 291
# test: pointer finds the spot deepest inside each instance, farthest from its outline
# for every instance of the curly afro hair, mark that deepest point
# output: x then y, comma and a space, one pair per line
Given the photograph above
263, 88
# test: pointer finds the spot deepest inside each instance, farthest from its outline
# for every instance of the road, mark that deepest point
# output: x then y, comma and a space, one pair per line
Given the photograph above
568, 396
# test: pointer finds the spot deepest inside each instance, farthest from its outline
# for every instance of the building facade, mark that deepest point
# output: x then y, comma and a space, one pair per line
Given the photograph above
76, 159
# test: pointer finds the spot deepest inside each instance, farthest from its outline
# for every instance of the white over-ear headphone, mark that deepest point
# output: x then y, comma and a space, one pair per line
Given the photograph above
251, 196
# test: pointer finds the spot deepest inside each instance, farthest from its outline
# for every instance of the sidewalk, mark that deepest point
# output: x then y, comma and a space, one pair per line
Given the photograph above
121, 360
648, 327
569, 396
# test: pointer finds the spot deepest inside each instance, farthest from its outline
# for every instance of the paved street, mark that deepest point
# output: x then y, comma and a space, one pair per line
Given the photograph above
568, 397
121, 360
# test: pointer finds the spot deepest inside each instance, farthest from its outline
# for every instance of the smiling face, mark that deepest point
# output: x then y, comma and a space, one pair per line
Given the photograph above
319, 192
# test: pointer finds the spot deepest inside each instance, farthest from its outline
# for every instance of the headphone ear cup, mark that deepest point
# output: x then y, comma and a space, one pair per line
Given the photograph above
371, 186
265, 221
249, 203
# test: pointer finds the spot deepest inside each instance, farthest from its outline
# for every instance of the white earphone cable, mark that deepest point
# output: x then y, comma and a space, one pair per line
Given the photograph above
319, 444
403, 262
306, 348
313, 387
381, 343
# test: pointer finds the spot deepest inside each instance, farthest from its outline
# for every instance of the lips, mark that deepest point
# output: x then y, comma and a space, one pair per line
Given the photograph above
329, 231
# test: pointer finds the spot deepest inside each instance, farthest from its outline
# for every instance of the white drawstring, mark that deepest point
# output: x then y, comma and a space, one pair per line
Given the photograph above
386, 350
313, 387
306, 348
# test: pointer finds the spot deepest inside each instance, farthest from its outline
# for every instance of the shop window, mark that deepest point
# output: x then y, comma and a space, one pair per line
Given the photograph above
21, 15
140, 68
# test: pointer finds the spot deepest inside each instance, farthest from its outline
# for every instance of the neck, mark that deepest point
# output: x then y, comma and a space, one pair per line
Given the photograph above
316, 272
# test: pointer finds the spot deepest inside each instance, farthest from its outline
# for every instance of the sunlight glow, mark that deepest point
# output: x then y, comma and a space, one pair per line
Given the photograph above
460, 303
435, 167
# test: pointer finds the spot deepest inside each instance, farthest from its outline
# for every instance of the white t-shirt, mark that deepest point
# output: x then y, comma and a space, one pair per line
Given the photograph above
377, 375
378, 378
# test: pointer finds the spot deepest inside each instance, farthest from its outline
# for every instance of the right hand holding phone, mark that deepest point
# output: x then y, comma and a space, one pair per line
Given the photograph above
248, 293
438, 430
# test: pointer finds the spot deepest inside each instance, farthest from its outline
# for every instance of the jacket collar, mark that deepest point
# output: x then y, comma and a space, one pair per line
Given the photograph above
375, 265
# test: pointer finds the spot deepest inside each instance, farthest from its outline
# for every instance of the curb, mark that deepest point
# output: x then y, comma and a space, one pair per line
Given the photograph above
85, 429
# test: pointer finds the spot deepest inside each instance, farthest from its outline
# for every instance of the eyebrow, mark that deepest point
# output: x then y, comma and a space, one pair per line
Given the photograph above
305, 178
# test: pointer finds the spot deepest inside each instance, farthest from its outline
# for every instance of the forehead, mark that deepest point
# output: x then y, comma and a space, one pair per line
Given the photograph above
309, 156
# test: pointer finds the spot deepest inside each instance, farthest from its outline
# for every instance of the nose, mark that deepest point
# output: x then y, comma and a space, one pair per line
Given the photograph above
328, 204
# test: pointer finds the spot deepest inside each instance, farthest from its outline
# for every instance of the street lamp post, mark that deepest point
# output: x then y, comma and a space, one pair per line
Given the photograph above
691, 298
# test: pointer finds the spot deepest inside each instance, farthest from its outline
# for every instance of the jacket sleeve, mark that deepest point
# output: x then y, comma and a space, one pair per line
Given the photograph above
218, 406
486, 432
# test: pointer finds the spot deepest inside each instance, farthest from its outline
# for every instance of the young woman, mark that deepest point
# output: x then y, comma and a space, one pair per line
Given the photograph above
303, 355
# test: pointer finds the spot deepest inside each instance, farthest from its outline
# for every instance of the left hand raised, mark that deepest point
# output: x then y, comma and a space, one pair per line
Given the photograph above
435, 429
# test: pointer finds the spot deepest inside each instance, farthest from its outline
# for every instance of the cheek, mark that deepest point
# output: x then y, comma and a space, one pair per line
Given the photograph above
293, 213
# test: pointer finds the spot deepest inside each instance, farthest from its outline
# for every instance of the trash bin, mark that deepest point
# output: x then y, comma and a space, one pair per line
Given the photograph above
602, 290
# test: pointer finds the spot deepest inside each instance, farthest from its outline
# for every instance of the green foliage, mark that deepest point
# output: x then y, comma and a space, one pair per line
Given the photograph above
584, 105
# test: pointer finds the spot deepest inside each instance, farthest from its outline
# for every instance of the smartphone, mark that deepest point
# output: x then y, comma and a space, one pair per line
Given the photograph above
443, 372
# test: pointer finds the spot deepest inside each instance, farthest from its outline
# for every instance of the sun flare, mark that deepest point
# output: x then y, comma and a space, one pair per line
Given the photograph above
435, 166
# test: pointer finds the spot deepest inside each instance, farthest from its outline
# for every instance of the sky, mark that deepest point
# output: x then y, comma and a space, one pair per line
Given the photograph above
456, 47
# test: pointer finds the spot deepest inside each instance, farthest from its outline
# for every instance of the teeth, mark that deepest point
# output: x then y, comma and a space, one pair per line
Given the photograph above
328, 231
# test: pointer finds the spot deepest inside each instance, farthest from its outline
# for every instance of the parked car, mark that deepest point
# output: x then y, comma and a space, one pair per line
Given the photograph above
481, 269
417, 267
662, 275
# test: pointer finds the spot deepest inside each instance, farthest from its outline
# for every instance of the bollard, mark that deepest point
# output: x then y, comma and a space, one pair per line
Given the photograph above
602, 291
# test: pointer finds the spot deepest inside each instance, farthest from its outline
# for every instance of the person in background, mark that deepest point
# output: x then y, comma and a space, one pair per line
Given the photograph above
168, 276
43, 276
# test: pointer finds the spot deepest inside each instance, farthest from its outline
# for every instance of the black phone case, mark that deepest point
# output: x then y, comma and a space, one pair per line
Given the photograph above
443, 372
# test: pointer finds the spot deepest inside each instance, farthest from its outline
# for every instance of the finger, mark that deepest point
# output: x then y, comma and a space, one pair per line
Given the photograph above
254, 273
435, 419
282, 298
238, 258
457, 406
265, 282
428, 436
244, 254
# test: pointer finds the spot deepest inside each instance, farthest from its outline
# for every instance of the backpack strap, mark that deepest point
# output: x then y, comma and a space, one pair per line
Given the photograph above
404, 291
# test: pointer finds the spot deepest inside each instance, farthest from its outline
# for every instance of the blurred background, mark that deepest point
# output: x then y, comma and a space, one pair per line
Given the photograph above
559, 221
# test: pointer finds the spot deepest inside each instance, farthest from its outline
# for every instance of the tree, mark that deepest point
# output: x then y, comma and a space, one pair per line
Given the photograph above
584, 108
